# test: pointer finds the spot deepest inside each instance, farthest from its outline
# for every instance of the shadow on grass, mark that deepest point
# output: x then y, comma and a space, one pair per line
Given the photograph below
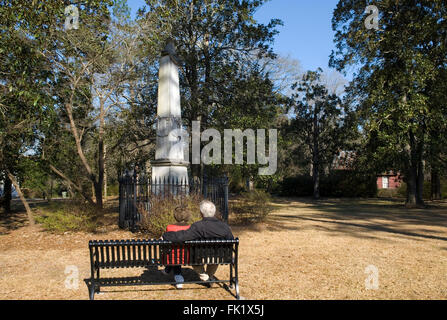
17, 218
12, 221
372, 227
361, 218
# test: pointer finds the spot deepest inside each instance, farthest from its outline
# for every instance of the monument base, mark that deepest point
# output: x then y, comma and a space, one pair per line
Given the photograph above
169, 172
171, 179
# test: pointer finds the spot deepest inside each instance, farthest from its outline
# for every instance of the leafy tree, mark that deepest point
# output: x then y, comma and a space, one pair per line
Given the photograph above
96, 68
397, 65
320, 122
24, 78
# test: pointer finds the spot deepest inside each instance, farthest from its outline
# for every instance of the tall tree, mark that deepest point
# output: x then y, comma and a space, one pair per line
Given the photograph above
96, 68
24, 79
396, 62
319, 121
437, 132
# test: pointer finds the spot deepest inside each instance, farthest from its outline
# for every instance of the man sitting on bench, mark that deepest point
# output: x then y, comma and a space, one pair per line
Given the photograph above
208, 228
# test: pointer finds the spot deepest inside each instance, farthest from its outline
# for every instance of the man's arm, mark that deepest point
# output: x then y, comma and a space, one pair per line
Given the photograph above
229, 235
183, 235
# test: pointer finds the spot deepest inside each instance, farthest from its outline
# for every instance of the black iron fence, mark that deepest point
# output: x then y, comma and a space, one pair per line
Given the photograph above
135, 192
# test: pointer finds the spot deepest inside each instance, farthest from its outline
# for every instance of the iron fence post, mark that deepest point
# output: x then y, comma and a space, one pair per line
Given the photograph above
225, 187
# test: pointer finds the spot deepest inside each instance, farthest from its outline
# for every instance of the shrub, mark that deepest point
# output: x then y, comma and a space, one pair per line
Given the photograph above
236, 185
444, 188
402, 190
426, 192
69, 216
347, 183
253, 206
113, 190
299, 186
339, 183
388, 193
161, 213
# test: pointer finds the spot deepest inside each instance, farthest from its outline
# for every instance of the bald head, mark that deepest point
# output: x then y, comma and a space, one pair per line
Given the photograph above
207, 209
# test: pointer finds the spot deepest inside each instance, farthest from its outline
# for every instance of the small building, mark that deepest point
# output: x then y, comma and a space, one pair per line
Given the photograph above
389, 180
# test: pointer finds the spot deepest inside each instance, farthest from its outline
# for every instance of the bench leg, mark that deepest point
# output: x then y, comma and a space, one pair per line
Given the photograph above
97, 290
236, 279
231, 277
91, 290
234, 282
238, 297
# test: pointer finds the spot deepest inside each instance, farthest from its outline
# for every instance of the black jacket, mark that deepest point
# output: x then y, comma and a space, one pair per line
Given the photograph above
207, 228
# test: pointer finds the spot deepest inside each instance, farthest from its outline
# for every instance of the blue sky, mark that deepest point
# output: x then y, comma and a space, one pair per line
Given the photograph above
306, 34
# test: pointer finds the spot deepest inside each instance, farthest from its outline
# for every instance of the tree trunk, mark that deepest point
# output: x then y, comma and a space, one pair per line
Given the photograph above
71, 183
435, 184
435, 179
7, 194
415, 173
22, 197
50, 194
316, 182
100, 182
316, 156
420, 183
411, 174
420, 170
411, 189
105, 174
80, 151
98, 194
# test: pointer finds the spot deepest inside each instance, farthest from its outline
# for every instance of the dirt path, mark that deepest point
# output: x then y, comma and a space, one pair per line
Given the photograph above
305, 250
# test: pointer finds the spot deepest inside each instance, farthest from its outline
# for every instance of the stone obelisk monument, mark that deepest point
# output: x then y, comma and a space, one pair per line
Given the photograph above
169, 165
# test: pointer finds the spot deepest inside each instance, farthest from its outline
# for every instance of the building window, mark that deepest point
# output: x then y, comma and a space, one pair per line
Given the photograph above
385, 183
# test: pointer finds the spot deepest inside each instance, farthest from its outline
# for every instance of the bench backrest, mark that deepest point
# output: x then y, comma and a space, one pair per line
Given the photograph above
143, 253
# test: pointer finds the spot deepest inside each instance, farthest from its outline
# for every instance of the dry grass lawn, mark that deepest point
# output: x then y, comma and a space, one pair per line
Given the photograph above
305, 250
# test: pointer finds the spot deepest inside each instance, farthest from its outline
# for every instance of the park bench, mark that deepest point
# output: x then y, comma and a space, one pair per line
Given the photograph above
106, 254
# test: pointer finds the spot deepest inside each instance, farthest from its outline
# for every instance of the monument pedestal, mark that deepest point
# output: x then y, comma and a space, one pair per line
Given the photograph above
170, 172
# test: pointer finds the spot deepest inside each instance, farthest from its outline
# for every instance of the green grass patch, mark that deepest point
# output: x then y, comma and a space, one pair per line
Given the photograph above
66, 216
